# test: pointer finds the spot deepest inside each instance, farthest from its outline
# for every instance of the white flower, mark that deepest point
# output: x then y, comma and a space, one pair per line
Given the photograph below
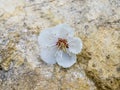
58, 45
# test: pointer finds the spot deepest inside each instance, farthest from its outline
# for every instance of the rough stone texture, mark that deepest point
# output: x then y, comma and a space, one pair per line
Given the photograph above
96, 22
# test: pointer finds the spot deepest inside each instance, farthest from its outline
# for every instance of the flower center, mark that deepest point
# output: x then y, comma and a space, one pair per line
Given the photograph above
62, 44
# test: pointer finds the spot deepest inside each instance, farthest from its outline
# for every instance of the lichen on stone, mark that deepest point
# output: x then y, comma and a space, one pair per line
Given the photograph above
9, 54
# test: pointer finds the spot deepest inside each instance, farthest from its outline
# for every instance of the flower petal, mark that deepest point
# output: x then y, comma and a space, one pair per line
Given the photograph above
65, 60
63, 30
48, 55
46, 38
75, 45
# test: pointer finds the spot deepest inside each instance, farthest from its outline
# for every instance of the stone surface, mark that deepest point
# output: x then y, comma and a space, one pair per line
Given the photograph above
96, 22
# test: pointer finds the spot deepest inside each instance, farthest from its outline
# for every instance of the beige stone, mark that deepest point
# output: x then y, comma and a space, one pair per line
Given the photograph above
96, 22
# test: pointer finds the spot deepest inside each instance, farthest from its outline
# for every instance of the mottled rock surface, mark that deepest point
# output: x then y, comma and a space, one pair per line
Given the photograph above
96, 22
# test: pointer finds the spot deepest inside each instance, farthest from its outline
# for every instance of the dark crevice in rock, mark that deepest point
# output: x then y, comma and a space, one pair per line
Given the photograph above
107, 84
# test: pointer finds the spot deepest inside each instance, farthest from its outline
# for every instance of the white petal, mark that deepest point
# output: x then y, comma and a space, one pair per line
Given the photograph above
75, 45
65, 60
63, 30
46, 38
48, 55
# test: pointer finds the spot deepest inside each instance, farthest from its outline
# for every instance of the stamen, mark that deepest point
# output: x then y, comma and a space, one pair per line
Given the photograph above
62, 44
